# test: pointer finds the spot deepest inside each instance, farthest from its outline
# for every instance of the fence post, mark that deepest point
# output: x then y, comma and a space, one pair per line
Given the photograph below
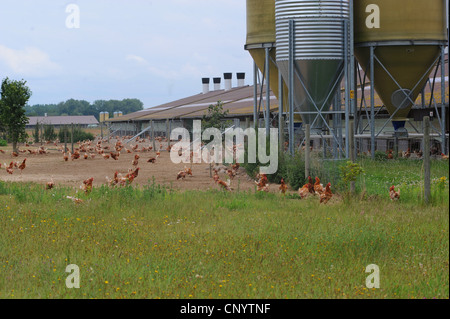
71, 137
167, 132
352, 153
153, 135
65, 138
307, 149
426, 159
281, 133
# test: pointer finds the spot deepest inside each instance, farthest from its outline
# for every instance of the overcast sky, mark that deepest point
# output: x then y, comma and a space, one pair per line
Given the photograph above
156, 51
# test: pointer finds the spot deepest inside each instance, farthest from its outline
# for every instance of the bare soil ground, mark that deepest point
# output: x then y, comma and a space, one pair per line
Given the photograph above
41, 168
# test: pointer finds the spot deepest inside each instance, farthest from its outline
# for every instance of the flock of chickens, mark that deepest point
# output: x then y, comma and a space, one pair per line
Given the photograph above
262, 185
316, 189
411, 154
89, 150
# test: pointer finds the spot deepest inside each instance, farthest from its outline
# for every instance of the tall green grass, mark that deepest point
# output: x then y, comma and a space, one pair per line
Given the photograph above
152, 242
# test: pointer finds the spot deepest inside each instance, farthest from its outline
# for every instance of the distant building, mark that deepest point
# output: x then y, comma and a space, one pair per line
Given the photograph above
58, 121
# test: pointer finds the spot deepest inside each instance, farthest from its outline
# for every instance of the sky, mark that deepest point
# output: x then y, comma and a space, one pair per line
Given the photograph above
155, 51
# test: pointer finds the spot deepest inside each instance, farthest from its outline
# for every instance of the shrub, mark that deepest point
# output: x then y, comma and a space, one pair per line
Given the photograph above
350, 172
36, 133
3, 142
380, 156
290, 168
49, 133
78, 135
293, 168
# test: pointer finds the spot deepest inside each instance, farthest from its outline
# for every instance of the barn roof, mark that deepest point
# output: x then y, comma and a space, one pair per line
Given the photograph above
62, 120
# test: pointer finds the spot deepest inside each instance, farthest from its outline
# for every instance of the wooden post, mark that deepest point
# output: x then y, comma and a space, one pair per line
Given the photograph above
170, 132
167, 131
282, 123
307, 149
351, 142
352, 152
65, 138
396, 146
153, 135
41, 126
71, 137
426, 159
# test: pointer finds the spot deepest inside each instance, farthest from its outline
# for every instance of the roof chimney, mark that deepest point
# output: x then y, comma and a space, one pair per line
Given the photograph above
217, 83
227, 77
241, 79
205, 82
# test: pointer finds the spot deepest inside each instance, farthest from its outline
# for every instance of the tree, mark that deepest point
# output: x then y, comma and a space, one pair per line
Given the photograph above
14, 97
215, 117
80, 107
36, 134
49, 132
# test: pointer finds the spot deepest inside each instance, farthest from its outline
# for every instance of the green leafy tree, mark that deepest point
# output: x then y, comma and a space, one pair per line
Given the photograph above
49, 133
80, 107
350, 172
215, 118
36, 133
14, 97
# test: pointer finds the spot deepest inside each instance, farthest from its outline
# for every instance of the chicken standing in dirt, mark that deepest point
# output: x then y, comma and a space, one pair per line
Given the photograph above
22, 165
225, 185
318, 187
181, 175
262, 184
307, 189
130, 177
135, 162
283, 187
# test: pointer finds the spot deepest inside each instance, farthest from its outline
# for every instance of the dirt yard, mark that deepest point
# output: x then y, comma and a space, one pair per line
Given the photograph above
42, 168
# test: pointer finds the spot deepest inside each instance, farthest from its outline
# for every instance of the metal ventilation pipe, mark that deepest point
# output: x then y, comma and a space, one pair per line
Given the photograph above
241, 79
228, 77
205, 82
217, 83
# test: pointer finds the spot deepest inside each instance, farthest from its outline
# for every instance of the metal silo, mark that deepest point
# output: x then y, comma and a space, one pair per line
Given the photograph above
403, 40
104, 116
318, 34
260, 39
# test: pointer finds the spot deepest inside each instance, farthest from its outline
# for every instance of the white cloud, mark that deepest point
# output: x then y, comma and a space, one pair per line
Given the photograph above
30, 61
137, 59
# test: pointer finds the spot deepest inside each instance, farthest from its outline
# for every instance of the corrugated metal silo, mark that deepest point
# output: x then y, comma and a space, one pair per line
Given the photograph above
406, 44
261, 33
319, 52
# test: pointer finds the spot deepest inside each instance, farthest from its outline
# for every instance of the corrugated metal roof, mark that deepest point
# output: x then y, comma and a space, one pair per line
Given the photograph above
237, 101
62, 120
239, 107
194, 109
167, 106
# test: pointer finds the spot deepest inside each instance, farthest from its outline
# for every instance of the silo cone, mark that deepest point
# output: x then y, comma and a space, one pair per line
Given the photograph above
406, 43
260, 31
319, 52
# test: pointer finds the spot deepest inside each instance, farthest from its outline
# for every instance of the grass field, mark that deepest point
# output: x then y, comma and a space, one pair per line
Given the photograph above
153, 242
